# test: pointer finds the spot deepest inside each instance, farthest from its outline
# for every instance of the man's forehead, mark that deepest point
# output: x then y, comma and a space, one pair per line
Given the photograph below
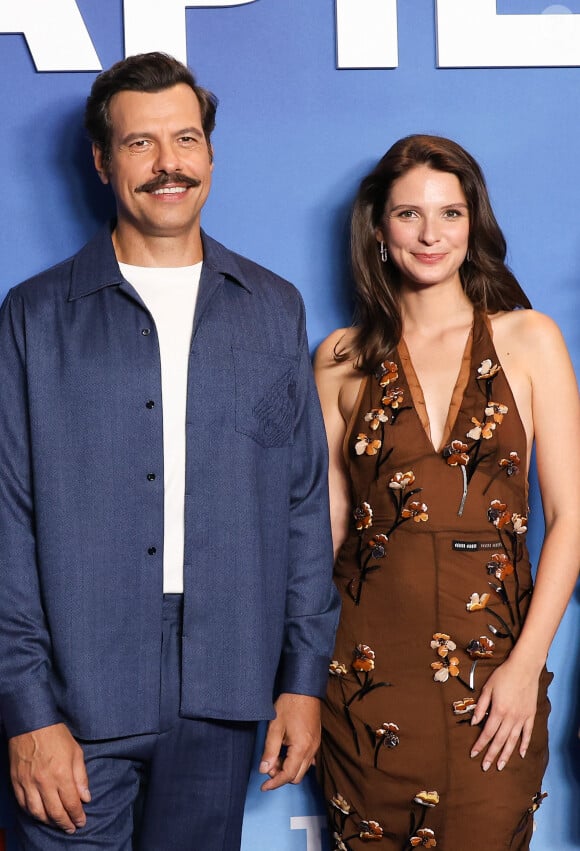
176, 104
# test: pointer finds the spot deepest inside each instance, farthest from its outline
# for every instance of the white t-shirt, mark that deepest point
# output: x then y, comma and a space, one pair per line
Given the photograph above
170, 296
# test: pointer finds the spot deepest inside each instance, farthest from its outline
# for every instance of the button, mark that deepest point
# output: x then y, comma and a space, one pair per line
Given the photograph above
150, 404
152, 551
150, 477
145, 331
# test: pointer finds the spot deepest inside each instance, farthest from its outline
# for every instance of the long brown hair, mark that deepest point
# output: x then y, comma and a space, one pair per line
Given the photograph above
485, 278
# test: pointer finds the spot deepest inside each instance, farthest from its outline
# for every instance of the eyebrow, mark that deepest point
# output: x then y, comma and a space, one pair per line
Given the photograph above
185, 131
418, 206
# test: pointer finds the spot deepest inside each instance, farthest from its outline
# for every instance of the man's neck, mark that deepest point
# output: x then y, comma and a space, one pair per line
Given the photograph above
137, 249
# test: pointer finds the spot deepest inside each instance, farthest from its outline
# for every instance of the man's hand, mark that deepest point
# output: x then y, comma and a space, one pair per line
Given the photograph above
48, 773
297, 728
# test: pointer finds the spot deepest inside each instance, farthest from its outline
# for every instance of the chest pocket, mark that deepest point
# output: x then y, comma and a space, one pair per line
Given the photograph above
265, 387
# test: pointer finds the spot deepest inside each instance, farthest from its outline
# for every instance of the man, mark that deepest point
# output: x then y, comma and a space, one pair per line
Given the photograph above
165, 557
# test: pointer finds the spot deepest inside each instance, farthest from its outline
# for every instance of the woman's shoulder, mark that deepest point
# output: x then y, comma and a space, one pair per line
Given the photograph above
342, 339
525, 331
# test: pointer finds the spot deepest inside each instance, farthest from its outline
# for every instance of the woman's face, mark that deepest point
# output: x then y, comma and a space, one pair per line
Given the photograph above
425, 226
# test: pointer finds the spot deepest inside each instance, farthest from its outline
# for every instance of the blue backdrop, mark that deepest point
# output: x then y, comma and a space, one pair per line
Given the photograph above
295, 134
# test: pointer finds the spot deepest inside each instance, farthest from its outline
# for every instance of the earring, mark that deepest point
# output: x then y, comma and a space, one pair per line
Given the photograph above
384, 254
468, 255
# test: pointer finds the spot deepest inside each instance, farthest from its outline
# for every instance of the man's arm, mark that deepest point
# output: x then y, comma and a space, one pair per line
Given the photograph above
312, 603
47, 766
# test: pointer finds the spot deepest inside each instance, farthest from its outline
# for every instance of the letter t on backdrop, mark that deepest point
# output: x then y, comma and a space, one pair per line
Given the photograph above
366, 34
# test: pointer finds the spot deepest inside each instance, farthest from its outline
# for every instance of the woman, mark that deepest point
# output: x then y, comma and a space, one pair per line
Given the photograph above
435, 725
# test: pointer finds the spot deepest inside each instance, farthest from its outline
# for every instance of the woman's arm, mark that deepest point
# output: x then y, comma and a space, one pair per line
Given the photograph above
510, 694
336, 383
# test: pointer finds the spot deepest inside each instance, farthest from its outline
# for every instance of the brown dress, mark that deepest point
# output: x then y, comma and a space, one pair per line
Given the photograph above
435, 583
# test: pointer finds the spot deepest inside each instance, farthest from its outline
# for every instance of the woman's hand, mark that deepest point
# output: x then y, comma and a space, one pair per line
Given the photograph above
510, 699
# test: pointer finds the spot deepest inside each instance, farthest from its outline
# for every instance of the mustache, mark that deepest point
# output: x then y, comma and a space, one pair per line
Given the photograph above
171, 177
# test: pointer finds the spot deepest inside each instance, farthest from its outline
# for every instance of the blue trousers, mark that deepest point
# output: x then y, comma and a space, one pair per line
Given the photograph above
182, 789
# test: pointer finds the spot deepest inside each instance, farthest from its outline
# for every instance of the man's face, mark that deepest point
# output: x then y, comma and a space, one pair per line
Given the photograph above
160, 166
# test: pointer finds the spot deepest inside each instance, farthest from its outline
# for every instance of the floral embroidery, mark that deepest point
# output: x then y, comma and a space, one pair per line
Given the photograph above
378, 546
488, 370
363, 515
387, 736
341, 803
375, 417
393, 398
425, 837
510, 528
456, 453
399, 481
496, 410
480, 648
476, 603
416, 510
339, 844
427, 799
465, 706
447, 666
364, 658
370, 831
387, 373
363, 664
499, 566
511, 464
498, 514
467, 458
366, 445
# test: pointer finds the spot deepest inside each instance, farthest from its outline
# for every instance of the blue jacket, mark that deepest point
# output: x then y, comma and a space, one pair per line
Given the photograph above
81, 524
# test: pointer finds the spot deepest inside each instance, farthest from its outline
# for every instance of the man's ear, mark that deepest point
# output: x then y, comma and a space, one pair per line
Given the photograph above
99, 161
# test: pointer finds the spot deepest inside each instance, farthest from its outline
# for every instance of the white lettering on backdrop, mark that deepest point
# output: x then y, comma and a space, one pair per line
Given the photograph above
470, 33
313, 825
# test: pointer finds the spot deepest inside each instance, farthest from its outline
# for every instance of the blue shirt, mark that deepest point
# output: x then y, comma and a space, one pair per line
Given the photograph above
81, 515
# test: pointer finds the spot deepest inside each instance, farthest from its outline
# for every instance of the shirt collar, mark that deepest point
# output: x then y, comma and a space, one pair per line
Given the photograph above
96, 267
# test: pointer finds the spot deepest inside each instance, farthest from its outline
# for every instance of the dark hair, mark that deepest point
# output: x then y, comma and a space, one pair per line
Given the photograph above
486, 280
144, 72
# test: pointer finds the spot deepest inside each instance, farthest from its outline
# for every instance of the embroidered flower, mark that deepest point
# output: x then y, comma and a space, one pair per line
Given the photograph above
340, 803
456, 453
463, 707
393, 397
488, 369
483, 430
511, 464
337, 669
498, 514
375, 417
427, 799
480, 648
519, 524
363, 515
378, 546
370, 831
448, 667
364, 658
339, 846
496, 410
499, 566
366, 445
387, 373
399, 481
416, 510
442, 644
476, 603
387, 734
537, 801
424, 837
